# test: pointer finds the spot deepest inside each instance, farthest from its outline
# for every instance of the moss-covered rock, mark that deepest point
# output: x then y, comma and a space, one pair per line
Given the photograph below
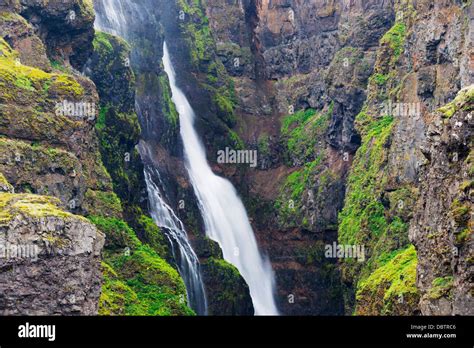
464, 101
22, 37
67, 28
391, 288
211, 82
5, 185
14, 205
34, 168
53, 254
32, 108
443, 221
378, 205
300, 200
226, 290
118, 235
137, 281
102, 203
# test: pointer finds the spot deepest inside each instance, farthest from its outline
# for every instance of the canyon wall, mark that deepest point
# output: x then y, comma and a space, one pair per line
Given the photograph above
338, 97
59, 202
360, 112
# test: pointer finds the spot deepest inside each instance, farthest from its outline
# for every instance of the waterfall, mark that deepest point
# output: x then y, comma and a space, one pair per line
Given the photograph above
186, 259
112, 18
224, 215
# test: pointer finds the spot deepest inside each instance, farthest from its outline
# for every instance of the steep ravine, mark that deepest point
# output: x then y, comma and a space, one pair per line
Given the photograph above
57, 132
161, 149
360, 113
338, 100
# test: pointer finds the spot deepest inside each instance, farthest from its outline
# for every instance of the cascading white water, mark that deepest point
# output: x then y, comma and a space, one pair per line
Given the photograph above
186, 259
111, 18
224, 214
114, 22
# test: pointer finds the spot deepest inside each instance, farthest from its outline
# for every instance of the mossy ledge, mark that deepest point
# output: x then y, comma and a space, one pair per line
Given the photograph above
14, 205
137, 281
390, 287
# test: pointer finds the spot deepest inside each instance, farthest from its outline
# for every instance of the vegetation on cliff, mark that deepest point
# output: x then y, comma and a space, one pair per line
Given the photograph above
350, 165
389, 286
213, 77
138, 281
58, 154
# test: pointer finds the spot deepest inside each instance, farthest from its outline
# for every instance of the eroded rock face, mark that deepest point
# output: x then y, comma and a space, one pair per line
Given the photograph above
66, 27
50, 260
419, 68
49, 147
291, 56
48, 119
347, 60
443, 222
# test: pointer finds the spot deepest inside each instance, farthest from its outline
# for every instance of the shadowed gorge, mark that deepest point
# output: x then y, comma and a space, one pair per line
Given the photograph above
236, 158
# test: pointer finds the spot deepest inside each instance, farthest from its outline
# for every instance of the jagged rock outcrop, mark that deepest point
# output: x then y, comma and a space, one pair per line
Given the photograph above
300, 80
419, 68
52, 145
50, 259
49, 149
443, 222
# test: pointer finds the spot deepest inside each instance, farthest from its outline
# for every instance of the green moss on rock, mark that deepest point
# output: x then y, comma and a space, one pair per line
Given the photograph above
441, 287
117, 297
395, 39
464, 101
362, 207
5, 185
159, 288
12, 205
391, 288
14, 74
137, 281
102, 203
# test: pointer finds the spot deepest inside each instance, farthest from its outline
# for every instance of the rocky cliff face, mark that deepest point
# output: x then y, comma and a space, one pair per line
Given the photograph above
160, 146
442, 225
45, 152
54, 142
361, 113
338, 98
